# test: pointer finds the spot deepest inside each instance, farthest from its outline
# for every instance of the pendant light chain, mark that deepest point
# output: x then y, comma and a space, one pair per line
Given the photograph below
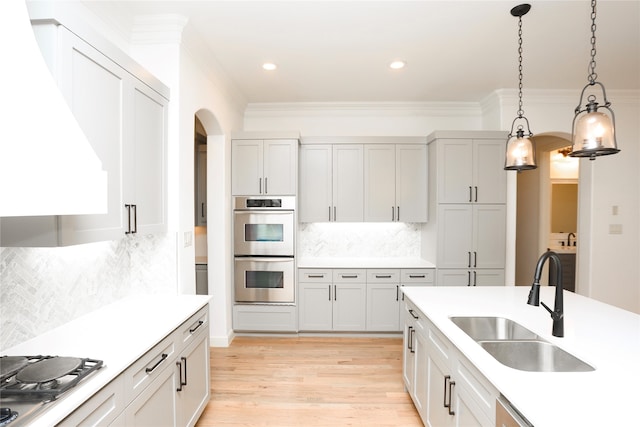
520, 111
592, 64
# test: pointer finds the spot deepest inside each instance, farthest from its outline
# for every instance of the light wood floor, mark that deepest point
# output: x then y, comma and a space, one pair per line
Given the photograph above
274, 381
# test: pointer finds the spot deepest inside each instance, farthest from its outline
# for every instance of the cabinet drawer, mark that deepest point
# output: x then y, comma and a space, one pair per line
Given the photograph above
383, 276
142, 372
314, 276
419, 276
101, 409
349, 276
197, 323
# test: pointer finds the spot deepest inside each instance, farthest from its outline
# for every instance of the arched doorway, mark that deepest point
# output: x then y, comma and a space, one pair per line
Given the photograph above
218, 223
534, 207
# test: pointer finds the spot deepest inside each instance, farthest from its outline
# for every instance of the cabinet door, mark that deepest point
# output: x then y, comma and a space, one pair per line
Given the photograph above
383, 307
489, 176
455, 171
316, 306
349, 307
155, 406
455, 236
150, 112
411, 183
316, 200
408, 353
246, 167
488, 277
194, 394
95, 88
437, 369
421, 377
348, 185
464, 416
379, 183
489, 236
280, 161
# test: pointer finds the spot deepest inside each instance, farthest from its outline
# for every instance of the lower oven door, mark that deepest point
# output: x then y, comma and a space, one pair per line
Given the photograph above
265, 280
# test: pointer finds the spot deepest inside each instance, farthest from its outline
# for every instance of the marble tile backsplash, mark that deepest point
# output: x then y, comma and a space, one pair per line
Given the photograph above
41, 288
319, 240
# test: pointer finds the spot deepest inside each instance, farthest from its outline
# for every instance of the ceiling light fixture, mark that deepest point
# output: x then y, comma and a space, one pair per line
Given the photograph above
520, 151
593, 133
396, 65
269, 66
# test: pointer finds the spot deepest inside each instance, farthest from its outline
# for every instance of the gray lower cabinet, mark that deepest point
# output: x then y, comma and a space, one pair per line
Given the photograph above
355, 300
167, 386
446, 389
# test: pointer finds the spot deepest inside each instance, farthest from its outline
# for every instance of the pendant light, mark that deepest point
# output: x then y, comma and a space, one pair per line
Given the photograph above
592, 130
520, 151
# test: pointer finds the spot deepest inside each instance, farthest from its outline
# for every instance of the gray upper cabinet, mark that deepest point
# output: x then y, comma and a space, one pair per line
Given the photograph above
125, 120
264, 167
395, 184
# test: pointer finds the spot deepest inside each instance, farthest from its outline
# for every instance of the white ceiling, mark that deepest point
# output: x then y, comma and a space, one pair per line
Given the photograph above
339, 51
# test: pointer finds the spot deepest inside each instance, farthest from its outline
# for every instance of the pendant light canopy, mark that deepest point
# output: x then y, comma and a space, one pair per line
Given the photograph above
593, 131
520, 150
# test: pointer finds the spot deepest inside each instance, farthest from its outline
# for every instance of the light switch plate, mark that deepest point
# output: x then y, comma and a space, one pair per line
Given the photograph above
615, 228
188, 238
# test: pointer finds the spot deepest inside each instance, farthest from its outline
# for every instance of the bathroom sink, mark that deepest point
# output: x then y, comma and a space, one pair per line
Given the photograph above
534, 356
493, 328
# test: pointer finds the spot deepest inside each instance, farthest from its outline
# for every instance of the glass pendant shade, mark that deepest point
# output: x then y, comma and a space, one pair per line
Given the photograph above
520, 152
593, 133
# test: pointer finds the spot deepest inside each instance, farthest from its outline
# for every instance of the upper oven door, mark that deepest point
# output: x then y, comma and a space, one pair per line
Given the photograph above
269, 233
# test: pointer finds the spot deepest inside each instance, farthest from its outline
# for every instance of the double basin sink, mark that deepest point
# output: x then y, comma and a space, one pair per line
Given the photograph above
515, 346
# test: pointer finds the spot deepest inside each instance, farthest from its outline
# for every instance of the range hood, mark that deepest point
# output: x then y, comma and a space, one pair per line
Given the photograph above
47, 165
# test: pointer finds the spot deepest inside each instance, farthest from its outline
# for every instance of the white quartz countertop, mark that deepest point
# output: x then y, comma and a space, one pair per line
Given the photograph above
364, 262
606, 337
118, 334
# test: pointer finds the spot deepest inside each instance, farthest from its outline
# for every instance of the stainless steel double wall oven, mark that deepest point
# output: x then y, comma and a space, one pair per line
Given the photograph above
264, 247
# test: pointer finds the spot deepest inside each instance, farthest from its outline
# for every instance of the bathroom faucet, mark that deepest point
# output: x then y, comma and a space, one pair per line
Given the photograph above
569, 238
534, 295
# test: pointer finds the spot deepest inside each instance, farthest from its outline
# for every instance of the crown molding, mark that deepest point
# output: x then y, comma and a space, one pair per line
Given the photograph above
158, 29
431, 109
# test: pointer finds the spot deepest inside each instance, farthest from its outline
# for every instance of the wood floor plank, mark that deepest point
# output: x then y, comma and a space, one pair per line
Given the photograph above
308, 381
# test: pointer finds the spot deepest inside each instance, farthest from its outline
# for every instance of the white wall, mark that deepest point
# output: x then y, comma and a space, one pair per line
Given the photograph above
189, 72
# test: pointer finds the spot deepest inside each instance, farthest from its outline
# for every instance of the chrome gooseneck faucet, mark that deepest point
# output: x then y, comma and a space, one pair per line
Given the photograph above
534, 295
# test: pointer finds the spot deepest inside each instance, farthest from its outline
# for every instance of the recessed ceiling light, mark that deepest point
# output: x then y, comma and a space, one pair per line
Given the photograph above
396, 65
269, 66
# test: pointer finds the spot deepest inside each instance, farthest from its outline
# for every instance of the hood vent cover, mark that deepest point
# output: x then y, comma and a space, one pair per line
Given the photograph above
47, 165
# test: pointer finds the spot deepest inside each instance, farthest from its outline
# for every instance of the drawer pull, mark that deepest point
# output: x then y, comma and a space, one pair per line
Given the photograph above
349, 276
315, 276
162, 359
383, 276
413, 314
200, 322
417, 276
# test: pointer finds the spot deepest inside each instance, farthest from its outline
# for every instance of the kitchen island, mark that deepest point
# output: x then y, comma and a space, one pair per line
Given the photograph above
140, 340
605, 337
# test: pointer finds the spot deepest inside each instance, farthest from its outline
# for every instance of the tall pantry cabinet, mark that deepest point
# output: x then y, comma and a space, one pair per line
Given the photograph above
467, 229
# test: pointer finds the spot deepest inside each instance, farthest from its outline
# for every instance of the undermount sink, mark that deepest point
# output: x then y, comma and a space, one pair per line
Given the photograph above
534, 356
517, 347
493, 328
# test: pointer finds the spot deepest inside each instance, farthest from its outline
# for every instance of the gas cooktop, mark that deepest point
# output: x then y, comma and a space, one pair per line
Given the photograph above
29, 383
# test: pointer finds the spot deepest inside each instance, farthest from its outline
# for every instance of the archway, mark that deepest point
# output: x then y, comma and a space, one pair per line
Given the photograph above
218, 234
533, 218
